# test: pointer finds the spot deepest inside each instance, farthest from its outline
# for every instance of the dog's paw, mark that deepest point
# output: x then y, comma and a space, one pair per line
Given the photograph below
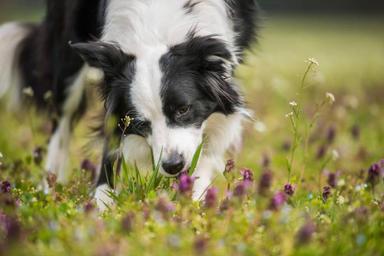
103, 197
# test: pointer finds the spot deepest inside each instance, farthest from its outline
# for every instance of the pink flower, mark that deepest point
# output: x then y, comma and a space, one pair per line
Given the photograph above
247, 175
211, 198
185, 183
278, 200
289, 189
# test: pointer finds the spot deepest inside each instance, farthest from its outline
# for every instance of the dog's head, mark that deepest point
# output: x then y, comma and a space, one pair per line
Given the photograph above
168, 92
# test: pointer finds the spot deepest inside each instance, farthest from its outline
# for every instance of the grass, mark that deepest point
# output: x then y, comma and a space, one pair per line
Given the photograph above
323, 149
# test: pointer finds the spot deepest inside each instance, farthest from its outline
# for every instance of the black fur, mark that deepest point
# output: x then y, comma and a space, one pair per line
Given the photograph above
47, 62
246, 16
195, 75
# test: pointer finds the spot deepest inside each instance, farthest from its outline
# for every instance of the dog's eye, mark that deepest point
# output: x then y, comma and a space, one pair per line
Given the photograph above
182, 111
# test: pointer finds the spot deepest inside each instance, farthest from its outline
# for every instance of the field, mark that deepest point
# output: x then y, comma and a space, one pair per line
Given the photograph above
309, 180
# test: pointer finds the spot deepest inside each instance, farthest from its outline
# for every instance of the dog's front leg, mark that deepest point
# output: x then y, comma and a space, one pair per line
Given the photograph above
205, 173
223, 133
105, 183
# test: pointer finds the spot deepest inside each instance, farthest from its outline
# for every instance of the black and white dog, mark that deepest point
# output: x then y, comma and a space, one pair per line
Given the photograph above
168, 65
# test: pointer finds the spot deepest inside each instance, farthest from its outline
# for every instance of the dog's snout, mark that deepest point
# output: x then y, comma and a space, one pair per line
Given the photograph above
174, 164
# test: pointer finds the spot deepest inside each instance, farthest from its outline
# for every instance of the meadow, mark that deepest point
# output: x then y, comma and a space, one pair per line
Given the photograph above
309, 180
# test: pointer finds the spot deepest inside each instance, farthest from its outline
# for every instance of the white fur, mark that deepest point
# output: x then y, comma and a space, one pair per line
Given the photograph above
102, 197
11, 34
58, 149
222, 133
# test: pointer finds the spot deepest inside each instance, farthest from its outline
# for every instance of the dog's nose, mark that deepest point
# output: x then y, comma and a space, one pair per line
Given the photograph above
174, 164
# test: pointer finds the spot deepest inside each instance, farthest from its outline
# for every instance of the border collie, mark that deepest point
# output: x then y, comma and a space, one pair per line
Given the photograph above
168, 65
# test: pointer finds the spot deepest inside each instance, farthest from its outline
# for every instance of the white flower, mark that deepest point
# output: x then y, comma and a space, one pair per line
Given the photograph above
260, 127
335, 155
290, 114
1, 155
330, 97
340, 200
313, 61
293, 103
28, 91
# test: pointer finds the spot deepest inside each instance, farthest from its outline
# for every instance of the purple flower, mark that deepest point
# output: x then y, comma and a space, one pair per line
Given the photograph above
286, 145
305, 233
265, 182
211, 198
164, 206
289, 189
373, 174
200, 244
331, 134
185, 183
266, 161
38, 155
355, 131
332, 179
10, 226
89, 207
247, 174
5, 187
241, 188
321, 152
326, 193
230, 165
88, 166
277, 201
127, 222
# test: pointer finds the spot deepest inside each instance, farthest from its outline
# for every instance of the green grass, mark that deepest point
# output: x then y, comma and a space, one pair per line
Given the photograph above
152, 218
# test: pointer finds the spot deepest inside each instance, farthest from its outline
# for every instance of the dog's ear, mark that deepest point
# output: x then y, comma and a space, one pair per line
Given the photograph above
217, 70
106, 56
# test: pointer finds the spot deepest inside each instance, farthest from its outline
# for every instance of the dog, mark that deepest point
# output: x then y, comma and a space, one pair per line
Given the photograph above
168, 68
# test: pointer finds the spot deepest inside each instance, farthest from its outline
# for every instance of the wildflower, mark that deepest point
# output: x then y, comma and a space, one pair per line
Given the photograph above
321, 152
330, 98
5, 187
293, 103
313, 61
331, 134
266, 161
289, 115
211, 198
240, 190
355, 132
247, 175
305, 233
127, 222
38, 155
277, 201
185, 183
260, 127
335, 155
200, 244
164, 206
88, 166
289, 189
265, 182
230, 165
28, 92
373, 174
89, 207
332, 179
10, 226
286, 146
326, 193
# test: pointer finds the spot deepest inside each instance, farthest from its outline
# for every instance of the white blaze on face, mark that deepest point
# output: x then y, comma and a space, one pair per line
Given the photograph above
146, 97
